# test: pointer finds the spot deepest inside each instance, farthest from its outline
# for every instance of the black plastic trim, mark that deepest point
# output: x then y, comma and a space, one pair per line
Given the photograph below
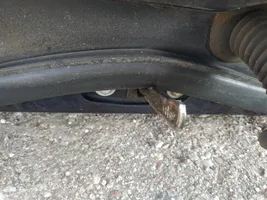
72, 73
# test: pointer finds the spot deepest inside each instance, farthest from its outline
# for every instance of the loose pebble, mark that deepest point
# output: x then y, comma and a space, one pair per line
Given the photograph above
159, 156
11, 155
194, 157
104, 182
92, 196
207, 163
166, 146
96, 179
159, 144
67, 173
216, 198
10, 189
47, 194
109, 185
257, 189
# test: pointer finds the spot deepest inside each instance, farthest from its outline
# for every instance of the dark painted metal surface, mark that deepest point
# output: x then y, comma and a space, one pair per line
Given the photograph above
208, 5
37, 27
63, 74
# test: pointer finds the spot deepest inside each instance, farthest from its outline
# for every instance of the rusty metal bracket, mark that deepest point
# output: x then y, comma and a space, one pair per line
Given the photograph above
172, 110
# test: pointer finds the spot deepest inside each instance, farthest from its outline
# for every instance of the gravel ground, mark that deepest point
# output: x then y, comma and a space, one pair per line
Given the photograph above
89, 156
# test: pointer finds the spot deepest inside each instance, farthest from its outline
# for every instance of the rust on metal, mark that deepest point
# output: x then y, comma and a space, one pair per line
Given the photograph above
221, 29
173, 111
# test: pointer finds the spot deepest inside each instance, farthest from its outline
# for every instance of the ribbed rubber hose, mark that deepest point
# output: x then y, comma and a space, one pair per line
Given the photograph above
248, 40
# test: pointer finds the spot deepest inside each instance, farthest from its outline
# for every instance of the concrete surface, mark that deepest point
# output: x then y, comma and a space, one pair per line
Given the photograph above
88, 156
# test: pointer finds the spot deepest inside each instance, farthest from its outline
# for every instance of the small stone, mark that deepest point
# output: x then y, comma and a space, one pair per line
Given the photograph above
258, 128
134, 121
160, 156
98, 187
218, 160
86, 117
67, 173
159, 144
257, 189
132, 153
90, 187
129, 192
47, 194
193, 157
261, 155
142, 156
166, 146
10, 189
86, 131
110, 185
121, 158
104, 182
207, 155
2, 121
216, 198
207, 163
119, 178
92, 196
11, 155
96, 179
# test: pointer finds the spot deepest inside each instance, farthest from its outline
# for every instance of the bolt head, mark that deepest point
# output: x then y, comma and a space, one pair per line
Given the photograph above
105, 93
174, 95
